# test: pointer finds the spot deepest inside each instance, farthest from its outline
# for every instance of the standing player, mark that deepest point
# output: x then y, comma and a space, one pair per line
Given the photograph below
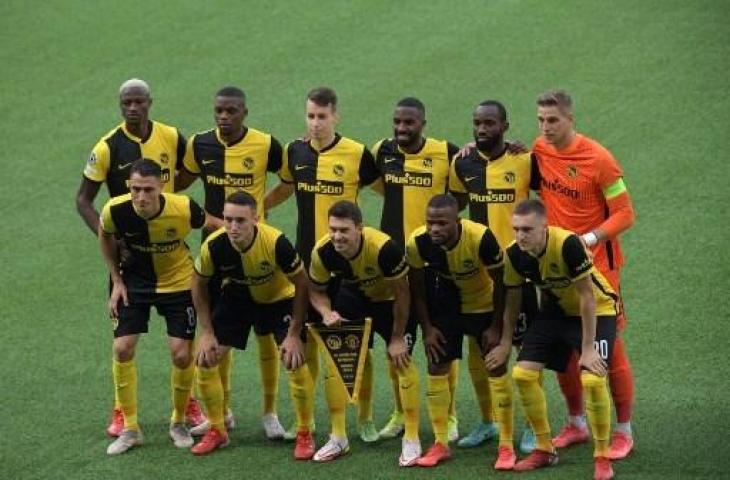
323, 170
492, 180
577, 313
369, 270
227, 159
467, 255
157, 273
110, 161
413, 169
583, 189
265, 287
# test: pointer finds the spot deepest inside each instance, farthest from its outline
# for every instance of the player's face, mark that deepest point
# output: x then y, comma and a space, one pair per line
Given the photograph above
489, 127
321, 121
407, 126
345, 235
229, 114
555, 125
145, 194
135, 105
442, 225
239, 222
530, 232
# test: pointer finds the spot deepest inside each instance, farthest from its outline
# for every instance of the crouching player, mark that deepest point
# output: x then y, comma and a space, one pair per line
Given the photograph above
263, 286
577, 312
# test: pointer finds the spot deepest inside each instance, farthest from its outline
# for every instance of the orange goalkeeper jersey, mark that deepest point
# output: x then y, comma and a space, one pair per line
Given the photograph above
573, 185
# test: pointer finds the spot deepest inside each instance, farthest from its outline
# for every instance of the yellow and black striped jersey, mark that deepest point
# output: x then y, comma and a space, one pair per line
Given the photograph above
259, 274
464, 265
224, 169
494, 188
322, 178
160, 259
112, 156
556, 270
409, 181
378, 261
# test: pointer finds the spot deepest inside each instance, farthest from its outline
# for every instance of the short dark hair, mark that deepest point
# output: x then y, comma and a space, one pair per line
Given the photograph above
346, 209
412, 102
233, 92
144, 167
242, 198
531, 205
498, 105
444, 200
323, 96
556, 98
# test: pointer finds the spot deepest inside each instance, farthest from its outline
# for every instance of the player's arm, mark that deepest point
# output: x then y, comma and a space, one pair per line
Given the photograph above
456, 185
207, 355
187, 168
88, 190
183, 179
319, 278
287, 259
589, 357
392, 262
512, 282
285, 188
110, 253
492, 257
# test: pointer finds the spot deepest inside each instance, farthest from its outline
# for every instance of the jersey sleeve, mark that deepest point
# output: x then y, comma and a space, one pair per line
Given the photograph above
512, 277
374, 151
576, 258
489, 251
535, 177
451, 151
455, 183
392, 260
204, 265
97, 166
276, 154
368, 170
181, 148
318, 272
413, 255
105, 218
287, 257
189, 162
609, 171
197, 215
284, 172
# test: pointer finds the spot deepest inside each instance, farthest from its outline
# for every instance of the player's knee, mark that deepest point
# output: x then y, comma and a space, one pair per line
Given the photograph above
591, 380
181, 357
438, 368
523, 376
123, 349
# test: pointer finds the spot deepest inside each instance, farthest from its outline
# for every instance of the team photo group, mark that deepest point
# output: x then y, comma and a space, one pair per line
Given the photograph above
532, 273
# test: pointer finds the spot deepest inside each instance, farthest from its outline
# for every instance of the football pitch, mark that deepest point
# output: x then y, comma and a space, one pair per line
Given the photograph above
647, 79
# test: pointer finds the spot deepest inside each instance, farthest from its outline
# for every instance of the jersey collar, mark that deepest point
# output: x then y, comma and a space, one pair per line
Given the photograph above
328, 147
235, 142
420, 148
134, 137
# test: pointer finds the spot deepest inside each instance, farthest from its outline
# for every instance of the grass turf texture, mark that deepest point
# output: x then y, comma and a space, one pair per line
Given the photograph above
649, 79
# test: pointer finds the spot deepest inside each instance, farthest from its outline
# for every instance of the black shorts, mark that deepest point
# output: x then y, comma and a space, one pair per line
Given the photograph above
554, 336
453, 327
528, 313
232, 321
353, 305
177, 308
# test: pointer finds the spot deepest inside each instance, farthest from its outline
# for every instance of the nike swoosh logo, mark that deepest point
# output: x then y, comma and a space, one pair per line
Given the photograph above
301, 167
122, 167
208, 162
131, 234
469, 179
226, 268
389, 160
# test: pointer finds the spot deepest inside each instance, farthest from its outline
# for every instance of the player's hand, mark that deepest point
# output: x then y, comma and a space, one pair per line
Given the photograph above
589, 252
515, 146
292, 352
331, 319
398, 352
466, 149
497, 356
433, 341
119, 292
590, 360
207, 350
491, 338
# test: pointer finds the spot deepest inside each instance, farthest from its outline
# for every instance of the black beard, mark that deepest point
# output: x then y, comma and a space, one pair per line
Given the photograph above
486, 145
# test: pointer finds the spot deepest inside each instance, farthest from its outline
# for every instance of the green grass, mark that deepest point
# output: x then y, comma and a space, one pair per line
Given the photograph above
650, 81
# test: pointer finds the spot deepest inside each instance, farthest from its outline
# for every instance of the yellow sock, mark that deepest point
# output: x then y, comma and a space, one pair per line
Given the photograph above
533, 402
225, 367
125, 386
181, 382
336, 402
365, 395
408, 386
453, 384
269, 365
598, 411
300, 389
437, 398
211, 393
480, 380
395, 383
501, 388
117, 405
311, 353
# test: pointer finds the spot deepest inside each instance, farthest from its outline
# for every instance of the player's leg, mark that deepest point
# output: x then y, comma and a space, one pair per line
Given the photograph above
269, 368
453, 387
311, 355
528, 312
576, 430
486, 429
336, 397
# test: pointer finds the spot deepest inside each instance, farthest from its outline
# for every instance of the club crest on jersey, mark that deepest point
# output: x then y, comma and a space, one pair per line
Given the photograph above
92, 160
554, 268
468, 264
334, 342
171, 232
370, 271
265, 266
248, 163
509, 177
427, 162
572, 171
338, 170
164, 159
